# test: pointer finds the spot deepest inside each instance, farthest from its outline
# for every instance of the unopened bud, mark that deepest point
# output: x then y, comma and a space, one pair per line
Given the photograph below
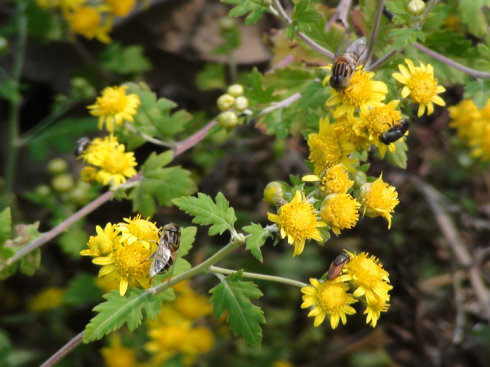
241, 104
225, 102
63, 182
88, 174
57, 166
4, 45
236, 90
273, 192
416, 7
226, 24
228, 119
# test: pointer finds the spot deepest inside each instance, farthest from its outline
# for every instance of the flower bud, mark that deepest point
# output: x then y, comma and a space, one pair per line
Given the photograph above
273, 192
80, 194
4, 45
228, 119
236, 90
225, 102
241, 104
82, 88
416, 7
63, 182
226, 24
57, 166
43, 190
88, 174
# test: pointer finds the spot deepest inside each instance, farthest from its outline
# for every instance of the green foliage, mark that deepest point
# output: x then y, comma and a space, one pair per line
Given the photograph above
257, 94
399, 8
404, 36
304, 16
82, 290
74, 240
256, 240
160, 184
124, 60
233, 296
187, 237
399, 156
255, 8
118, 310
479, 91
473, 16
205, 211
5, 225
212, 76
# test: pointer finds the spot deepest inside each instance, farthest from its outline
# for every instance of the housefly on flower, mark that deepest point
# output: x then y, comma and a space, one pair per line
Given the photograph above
81, 145
395, 132
346, 62
166, 253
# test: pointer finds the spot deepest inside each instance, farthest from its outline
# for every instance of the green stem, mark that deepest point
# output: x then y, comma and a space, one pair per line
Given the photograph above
13, 119
270, 278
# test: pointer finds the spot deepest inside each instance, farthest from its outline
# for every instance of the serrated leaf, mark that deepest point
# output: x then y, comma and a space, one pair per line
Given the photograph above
399, 8
256, 240
257, 93
5, 225
478, 91
399, 156
211, 77
82, 290
256, 8
124, 59
187, 237
218, 215
473, 17
118, 310
233, 296
289, 78
156, 161
404, 36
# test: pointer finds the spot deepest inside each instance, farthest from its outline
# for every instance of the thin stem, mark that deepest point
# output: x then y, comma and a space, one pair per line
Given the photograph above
340, 15
284, 103
472, 72
13, 119
149, 138
315, 46
374, 30
271, 278
193, 139
382, 60
64, 351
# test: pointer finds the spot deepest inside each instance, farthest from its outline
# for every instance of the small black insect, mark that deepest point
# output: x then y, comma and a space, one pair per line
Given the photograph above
395, 132
81, 145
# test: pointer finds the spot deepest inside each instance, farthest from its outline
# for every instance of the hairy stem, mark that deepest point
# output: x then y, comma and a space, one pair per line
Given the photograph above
13, 117
271, 278
374, 31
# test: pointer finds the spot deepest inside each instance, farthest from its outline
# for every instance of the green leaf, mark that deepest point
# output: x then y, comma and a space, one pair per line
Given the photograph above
399, 8
82, 290
258, 94
124, 60
118, 310
5, 225
256, 240
404, 36
74, 240
206, 212
211, 77
289, 78
233, 295
187, 237
256, 8
479, 91
399, 156
30, 262
473, 16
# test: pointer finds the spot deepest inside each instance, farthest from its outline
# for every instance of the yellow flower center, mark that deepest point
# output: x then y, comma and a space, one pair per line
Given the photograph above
101, 244
143, 229
358, 91
332, 297
112, 101
325, 151
115, 162
379, 119
341, 211
336, 180
129, 261
298, 219
423, 87
382, 197
85, 20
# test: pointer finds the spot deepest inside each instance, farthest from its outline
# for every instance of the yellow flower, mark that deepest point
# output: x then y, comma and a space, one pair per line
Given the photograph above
102, 244
367, 275
114, 106
297, 220
481, 142
282, 363
120, 8
201, 340
328, 148
374, 309
347, 126
362, 91
420, 85
336, 180
48, 4
88, 174
88, 22
114, 164
463, 115
117, 355
47, 299
375, 121
139, 230
329, 298
379, 199
193, 306
340, 211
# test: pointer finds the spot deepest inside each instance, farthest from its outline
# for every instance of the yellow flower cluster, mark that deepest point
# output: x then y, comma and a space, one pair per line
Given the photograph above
47, 299
123, 251
364, 276
90, 19
473, 126
108, 162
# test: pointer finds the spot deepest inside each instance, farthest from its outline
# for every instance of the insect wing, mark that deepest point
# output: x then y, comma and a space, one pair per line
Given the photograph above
161, 258
358, 47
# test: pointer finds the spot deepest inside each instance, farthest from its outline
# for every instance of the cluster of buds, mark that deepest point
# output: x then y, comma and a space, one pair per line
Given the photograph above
232, 104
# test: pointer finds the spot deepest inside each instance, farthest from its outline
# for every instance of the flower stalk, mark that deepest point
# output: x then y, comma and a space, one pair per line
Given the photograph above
271, 278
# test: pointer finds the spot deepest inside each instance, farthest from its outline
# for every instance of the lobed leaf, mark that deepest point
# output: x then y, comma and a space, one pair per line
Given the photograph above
256, 240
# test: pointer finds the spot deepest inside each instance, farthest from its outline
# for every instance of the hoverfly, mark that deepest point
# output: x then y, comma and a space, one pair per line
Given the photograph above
336, 266
166, 253
81, 145
346, 63
395, 132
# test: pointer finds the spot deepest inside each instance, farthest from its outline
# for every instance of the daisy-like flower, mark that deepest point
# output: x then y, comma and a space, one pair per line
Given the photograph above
117, 355
463, 115
375, 121
420, 85
336, 180
192, 305
374, 309
120, 8
329, 147
103, 243
362, 91
114, 107
89, 22
340, 211
137, 229
330, 298
346, 125
379, 199
297, 220
367, 275
47, 299
481, 142
113, 163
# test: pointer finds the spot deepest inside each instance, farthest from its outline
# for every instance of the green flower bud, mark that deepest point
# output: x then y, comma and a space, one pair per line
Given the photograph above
63, 182
226, 24
241, 104
81, 193
228, 119
416, 7
4, 45
274, 192
57, 166
236, 90
43, 190
225, 102
82, 88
